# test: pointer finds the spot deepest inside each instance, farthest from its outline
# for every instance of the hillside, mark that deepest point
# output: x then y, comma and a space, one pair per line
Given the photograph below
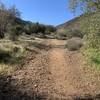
74, 22
79, 24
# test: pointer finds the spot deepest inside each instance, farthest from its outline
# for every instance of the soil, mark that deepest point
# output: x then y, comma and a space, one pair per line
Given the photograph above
53, 74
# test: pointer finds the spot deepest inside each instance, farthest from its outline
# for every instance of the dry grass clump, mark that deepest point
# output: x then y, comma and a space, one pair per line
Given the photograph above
74, 43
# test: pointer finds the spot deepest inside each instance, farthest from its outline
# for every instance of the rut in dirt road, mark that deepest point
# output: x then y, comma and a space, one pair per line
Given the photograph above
58, 69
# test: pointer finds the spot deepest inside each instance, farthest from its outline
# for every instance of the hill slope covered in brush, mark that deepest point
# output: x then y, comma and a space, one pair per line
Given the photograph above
77, 26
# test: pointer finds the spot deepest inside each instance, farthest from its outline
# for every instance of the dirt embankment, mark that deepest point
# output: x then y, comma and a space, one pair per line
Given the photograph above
54, 74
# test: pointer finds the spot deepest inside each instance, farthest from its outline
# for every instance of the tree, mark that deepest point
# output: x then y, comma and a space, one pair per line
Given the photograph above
7, 18
14, 14
4, 18
85, 5
15, 31
50, 29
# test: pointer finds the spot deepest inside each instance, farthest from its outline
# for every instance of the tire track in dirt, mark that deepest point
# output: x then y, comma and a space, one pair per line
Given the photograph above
59, 72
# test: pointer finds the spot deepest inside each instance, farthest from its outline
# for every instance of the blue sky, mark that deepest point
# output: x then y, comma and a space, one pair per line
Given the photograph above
52, 12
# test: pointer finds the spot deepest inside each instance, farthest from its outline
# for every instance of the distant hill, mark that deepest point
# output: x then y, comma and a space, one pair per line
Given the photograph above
73, 27
77, 26
74, 23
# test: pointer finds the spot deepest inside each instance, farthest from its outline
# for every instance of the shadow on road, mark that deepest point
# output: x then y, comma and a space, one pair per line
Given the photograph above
10, 92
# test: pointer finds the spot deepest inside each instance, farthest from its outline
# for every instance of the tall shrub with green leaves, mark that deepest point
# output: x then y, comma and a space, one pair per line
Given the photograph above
14, 32
85, 5
92, 36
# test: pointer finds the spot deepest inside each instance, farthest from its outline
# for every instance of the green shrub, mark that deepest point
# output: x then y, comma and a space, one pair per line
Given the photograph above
37, 28
74, 43
50, 28
93, 57
75, 33
4, 56
14, 32
92, 35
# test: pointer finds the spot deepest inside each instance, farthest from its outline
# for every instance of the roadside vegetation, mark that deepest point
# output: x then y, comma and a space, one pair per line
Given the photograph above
18, 37
86, 27
92, 29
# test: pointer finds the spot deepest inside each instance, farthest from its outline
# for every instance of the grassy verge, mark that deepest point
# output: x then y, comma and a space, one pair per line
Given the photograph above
13, 54
93, 57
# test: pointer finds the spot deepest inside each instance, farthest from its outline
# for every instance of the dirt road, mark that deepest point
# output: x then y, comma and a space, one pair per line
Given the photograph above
56, 74
70, 75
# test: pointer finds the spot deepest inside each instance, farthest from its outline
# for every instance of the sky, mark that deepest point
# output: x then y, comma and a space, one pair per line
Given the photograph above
53, 12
